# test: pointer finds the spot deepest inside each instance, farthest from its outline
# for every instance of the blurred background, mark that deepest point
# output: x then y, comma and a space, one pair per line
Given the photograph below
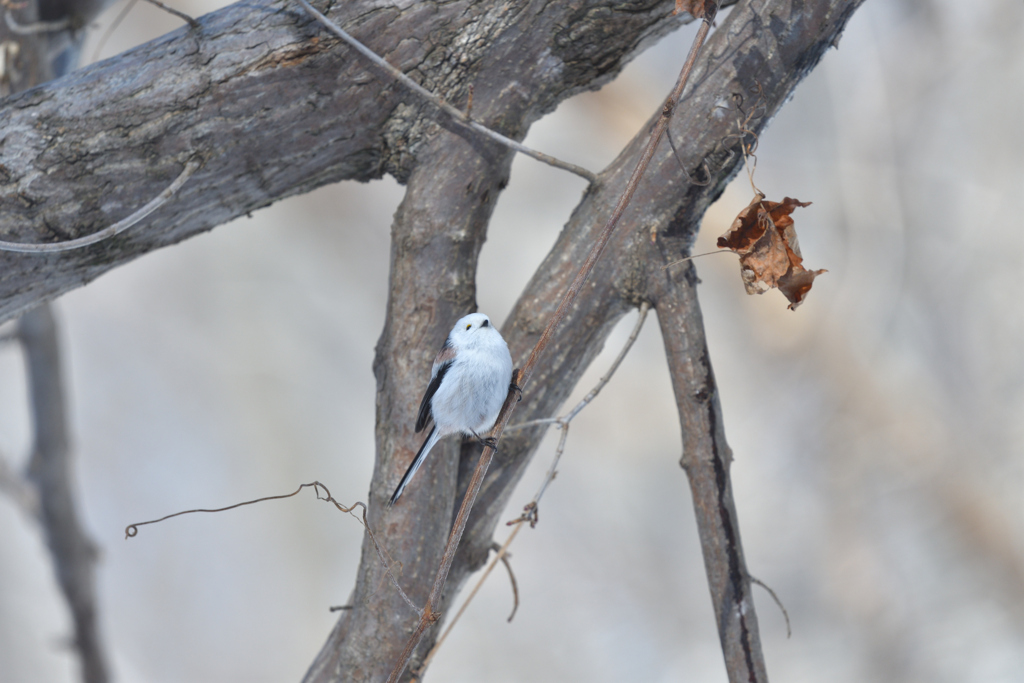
878, 430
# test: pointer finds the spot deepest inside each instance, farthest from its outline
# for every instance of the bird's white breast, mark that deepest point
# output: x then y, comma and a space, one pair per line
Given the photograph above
474, 389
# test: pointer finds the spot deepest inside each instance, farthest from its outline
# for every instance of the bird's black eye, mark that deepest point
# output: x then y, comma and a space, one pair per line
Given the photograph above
485, 323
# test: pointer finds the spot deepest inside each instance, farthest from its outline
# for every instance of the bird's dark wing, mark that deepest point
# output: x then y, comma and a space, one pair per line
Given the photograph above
425, 414
443, 361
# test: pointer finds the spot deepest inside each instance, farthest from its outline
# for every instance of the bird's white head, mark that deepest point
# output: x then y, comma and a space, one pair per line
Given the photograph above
472, 330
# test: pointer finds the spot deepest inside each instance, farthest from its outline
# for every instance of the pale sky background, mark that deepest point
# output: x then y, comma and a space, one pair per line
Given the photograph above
878, 430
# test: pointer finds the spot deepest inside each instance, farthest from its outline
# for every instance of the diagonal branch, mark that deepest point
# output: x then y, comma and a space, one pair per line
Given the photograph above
181, 15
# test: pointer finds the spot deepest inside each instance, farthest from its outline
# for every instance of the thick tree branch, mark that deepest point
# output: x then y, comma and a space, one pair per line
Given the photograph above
275, 107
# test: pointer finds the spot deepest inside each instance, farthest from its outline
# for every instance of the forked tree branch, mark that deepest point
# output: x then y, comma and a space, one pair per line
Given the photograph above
745, 56
522, 377
197, 90
759, 47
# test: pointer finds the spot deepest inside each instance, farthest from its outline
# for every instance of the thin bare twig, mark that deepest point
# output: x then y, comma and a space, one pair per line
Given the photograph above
36, 27
531, 510
675, 152
530, 514
744, 129
504, 557
690, 258
132, 530
601, 383
115, 229
533, 423
469, 598
459, 116
170, 10
785, 614
376, 546
110, 29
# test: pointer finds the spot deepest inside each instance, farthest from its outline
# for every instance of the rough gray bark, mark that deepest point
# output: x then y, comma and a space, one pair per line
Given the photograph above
706, 460
274, 107
768, 47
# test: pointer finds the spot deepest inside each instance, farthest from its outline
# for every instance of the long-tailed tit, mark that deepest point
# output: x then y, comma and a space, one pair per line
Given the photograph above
470, 379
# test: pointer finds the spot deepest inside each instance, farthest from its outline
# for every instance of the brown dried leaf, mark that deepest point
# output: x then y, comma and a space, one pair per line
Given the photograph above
765, 239
698, 9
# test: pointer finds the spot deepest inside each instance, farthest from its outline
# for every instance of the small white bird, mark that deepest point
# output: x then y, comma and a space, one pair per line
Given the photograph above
469, 381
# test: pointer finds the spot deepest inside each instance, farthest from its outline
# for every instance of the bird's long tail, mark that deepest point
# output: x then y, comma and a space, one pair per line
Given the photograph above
416, 462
